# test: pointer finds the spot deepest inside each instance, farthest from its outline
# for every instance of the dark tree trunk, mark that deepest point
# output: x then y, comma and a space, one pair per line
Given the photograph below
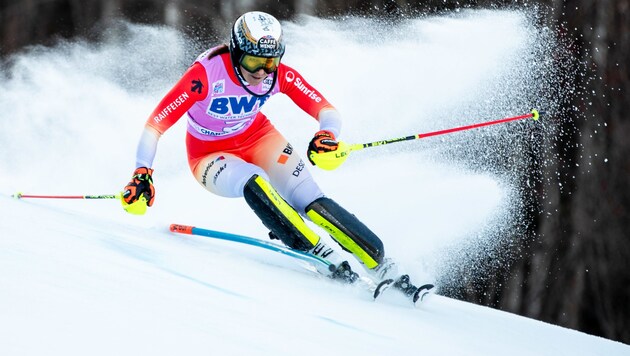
576, 273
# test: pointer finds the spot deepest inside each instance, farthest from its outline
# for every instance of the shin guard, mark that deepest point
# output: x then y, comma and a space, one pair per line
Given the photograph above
347, 230
278, 216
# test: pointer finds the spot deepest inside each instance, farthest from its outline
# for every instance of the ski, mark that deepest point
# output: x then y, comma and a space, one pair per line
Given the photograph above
342, 273
318, 264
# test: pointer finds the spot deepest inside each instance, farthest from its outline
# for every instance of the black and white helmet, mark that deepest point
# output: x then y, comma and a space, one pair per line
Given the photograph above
257, 34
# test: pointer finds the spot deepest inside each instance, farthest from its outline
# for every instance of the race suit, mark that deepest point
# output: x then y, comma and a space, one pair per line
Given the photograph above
228, 139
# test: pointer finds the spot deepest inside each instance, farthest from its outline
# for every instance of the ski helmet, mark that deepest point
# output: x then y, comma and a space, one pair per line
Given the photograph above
256, 35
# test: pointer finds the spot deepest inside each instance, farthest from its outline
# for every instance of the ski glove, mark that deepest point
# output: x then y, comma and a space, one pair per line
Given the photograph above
323, 141
139, 188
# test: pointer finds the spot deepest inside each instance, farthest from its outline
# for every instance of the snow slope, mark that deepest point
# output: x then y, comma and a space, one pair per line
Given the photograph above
83, 277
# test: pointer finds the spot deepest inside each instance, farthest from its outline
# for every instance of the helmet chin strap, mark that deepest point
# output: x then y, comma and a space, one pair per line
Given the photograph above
245, 86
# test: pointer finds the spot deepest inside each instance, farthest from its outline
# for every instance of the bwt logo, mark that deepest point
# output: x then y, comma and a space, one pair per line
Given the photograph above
236, 104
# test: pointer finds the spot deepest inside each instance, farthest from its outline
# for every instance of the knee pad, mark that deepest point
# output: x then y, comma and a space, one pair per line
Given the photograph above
277, 215
347, 230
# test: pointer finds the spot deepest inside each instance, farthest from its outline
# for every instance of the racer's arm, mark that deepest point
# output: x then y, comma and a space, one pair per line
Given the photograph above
191, 87
330, 120
147, 147
309, 99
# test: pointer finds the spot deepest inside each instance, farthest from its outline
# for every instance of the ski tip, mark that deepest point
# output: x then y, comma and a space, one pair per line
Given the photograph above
17, 195
181, 229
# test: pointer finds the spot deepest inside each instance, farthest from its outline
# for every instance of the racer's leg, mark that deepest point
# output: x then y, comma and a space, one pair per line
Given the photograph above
224, 174
287, 225
230, 176
353, 236
286, 170
290, 176
278, 216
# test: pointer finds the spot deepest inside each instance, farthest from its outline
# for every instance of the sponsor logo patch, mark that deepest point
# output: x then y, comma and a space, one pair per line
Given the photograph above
289, 76
286, 152
218, 87
234, 107
298, 169
267, 42
197, 86
204, 177
266, 84
283, 159
171, 107
308, 92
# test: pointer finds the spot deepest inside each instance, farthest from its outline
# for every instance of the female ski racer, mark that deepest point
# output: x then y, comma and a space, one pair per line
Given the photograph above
235, 151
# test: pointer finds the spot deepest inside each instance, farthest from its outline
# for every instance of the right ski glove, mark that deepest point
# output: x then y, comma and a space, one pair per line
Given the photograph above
139, 192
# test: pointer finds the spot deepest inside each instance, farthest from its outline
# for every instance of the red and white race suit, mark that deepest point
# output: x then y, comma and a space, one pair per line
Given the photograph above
228, 138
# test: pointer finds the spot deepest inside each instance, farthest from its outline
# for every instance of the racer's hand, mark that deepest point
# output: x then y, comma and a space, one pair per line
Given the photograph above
323, 141
139, 192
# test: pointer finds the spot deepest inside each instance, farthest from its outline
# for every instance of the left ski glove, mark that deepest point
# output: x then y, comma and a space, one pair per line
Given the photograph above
323, 141
139, 192
323, 151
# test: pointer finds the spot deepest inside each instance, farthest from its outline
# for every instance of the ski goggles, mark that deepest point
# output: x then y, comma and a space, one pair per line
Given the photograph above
253, 64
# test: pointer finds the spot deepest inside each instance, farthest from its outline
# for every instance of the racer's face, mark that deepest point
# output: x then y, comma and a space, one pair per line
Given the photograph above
253, 78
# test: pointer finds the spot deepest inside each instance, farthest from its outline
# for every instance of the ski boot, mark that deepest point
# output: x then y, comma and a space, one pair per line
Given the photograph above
387, 269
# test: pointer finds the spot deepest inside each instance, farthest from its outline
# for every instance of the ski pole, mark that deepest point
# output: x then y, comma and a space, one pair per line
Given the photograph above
106, 196
139, 207
332, 160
